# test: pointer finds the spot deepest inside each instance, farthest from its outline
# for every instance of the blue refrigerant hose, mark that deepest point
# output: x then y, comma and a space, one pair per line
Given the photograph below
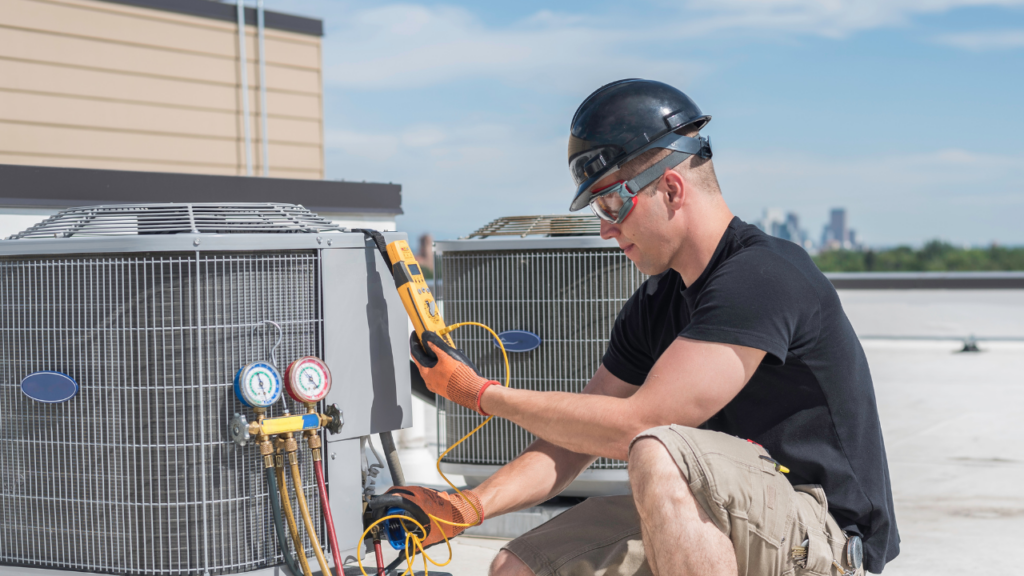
282, 536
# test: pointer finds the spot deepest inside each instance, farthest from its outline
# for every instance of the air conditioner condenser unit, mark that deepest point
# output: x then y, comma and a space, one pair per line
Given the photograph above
150, 310
552, 288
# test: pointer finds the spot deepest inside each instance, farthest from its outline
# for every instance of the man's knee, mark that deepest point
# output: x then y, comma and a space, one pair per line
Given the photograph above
649, 459
508, 564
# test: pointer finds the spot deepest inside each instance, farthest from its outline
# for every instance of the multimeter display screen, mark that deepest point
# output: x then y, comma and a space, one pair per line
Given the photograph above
414, 269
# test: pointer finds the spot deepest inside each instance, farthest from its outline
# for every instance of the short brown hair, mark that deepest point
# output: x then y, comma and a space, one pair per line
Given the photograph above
697, 170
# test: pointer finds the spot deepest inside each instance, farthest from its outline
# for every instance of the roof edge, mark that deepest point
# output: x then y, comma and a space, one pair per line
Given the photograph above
227, 12
986, 280
55, 187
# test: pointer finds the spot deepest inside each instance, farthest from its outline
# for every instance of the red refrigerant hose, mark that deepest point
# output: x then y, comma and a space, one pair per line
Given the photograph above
325, 507
380, 556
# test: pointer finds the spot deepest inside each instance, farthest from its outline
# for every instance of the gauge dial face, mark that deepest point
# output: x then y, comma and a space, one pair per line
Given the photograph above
258, 385
308, 380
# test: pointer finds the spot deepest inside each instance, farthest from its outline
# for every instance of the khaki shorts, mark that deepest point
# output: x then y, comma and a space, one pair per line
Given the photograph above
763, 515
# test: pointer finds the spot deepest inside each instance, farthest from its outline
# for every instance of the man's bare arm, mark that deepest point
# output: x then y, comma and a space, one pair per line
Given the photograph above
690, 383
543, 470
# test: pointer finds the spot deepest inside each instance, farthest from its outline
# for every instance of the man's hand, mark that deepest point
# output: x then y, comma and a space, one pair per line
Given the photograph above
441, 505
448, 372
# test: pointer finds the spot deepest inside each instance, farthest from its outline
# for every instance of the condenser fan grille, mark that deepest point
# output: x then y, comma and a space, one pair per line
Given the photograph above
570, 298
558, 225
137, 475
142, 219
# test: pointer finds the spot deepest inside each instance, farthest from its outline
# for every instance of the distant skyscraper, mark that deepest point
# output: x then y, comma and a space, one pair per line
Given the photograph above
786, 227
425, 255
837, 233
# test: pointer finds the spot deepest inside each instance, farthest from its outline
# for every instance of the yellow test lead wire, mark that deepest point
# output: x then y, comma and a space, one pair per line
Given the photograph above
417, 542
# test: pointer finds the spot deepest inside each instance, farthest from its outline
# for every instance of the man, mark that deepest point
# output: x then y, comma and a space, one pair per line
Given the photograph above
731, 363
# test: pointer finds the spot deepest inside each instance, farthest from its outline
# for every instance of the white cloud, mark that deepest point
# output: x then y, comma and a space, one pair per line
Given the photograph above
410, 45
830, 18
985, 41
470, 175
365, 145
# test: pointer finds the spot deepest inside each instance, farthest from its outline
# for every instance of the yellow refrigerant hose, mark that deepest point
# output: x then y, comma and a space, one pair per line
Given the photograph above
293, 460
289, 514
411, 539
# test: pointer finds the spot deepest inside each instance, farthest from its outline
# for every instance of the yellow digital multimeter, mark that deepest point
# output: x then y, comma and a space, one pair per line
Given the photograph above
416, 296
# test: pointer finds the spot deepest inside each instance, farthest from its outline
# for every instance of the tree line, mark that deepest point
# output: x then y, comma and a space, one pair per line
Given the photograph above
935, 256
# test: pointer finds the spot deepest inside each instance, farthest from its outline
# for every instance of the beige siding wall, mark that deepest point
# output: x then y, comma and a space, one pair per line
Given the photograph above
91, 84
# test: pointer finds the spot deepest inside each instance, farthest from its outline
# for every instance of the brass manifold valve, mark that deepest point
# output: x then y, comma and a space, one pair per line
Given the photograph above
241, 430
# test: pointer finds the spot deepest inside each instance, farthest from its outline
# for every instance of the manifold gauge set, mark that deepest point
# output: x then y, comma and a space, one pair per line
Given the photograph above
259, 385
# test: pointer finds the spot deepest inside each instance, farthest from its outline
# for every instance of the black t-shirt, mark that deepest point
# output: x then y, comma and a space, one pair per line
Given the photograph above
810, 403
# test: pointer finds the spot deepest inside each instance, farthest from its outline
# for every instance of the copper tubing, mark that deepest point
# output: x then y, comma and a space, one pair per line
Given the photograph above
293, 461
289, 514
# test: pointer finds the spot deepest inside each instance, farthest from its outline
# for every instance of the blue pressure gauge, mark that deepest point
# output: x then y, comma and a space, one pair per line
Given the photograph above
258, 385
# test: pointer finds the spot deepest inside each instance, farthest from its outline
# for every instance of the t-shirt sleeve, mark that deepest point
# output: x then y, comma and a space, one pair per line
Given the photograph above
755, 299
628, 356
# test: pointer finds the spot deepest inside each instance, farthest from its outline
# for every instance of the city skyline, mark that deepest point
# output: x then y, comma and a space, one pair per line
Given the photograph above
835, 235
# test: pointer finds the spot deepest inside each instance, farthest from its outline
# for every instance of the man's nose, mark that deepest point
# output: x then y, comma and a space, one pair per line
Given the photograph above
608, 230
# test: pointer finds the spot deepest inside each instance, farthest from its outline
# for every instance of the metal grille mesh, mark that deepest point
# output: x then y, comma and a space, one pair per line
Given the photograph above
523, 226
202, 218
570, 298
136, 475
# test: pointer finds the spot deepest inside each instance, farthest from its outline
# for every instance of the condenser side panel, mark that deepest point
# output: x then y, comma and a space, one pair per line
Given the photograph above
342, 461
366, 342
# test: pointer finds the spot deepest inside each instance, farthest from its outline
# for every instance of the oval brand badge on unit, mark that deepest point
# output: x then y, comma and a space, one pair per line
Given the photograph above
518, 340
49, 387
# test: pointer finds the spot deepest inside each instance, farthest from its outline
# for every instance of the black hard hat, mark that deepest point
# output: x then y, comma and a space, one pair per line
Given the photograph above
624, 119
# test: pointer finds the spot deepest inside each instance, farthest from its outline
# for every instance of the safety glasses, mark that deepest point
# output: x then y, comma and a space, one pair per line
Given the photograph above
614, 202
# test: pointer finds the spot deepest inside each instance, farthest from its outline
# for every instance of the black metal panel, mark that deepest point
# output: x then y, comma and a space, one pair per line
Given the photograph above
225, 11
45, 186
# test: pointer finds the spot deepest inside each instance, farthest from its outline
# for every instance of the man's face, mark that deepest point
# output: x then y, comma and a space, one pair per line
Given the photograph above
643, 235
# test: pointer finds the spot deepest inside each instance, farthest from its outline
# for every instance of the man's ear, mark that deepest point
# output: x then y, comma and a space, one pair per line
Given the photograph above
675, 188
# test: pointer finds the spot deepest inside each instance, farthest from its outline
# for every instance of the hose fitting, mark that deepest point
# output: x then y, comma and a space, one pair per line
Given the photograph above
315, 443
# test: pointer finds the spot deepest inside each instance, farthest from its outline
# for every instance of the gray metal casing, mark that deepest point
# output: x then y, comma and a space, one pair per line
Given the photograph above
364, 341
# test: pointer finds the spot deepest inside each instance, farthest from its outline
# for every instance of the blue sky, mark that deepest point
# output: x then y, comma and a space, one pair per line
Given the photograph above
906, 112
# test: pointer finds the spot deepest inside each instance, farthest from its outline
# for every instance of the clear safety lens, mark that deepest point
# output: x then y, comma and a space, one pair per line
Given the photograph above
610, 202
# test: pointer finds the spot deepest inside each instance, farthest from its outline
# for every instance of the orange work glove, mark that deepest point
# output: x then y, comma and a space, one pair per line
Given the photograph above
448, 507
448, 372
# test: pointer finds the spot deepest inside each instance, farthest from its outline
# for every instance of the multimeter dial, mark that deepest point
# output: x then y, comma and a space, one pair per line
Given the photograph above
258, 385
307, 380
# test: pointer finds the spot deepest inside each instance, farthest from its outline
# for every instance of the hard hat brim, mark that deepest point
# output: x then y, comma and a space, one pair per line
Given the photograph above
671, 141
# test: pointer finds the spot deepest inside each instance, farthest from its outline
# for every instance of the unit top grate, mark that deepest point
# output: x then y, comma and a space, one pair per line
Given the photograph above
203, 218
551, 225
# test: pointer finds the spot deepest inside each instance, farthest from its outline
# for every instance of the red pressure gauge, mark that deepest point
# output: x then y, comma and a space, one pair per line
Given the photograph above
307, 380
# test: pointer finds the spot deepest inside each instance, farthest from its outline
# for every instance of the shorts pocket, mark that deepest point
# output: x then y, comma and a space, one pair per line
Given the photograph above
733, 476
738, 486
818, 554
